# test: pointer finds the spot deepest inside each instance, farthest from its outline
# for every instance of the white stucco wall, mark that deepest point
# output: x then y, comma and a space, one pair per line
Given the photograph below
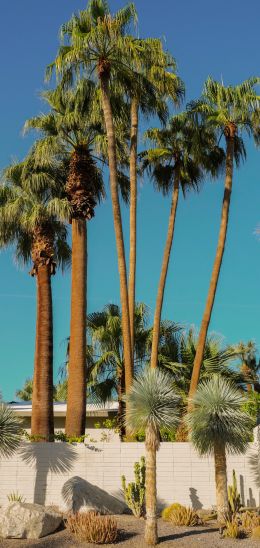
38, 471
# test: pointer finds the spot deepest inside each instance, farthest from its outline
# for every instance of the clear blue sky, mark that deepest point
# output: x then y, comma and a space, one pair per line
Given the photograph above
207, 39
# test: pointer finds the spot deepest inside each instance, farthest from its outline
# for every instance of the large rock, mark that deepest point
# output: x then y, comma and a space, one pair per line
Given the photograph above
82, 496
24, 520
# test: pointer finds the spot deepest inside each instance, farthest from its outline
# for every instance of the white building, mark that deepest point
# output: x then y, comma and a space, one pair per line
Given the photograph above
95, 414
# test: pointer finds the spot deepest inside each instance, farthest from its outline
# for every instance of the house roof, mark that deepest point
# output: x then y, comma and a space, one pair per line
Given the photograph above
24, 409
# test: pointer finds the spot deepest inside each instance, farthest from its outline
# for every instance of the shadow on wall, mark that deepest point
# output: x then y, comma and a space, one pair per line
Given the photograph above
195, 501
55, 457
254, 465
78, 493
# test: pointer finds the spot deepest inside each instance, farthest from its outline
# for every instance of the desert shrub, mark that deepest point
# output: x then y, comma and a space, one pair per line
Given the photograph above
92, 527
249, 520
256, 533
14, 496
184, 516
233, 530
166, 513
134, 492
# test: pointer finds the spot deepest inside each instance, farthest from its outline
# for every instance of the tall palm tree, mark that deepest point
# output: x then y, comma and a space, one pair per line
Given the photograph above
229, 111
99, 45
10, 431
218, 425
106, 375
157, 82
152, 404
71, 129
184, 152
28, 220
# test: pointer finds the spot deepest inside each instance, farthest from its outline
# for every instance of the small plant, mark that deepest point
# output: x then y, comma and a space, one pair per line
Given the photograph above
166, 513
15, 497
234, 499
256, 533
233, 530
135, 491
184, 516
92, 527
249, 520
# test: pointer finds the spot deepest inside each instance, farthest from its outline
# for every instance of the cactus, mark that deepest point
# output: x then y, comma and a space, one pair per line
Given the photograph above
134, 492
234, 499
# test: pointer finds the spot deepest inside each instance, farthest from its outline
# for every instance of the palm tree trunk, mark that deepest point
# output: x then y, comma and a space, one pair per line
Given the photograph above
133, 205
76, 402
42, 401
216, 268
221, 483
164, 270
118, 230
121, 403
151, 533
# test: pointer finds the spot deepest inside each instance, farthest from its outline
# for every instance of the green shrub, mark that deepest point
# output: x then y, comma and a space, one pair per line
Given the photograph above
93, 528
134, 492
166, 513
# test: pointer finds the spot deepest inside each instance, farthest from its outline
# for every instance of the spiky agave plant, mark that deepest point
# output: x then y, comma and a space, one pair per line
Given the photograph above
152, 403
10, 431
218, 425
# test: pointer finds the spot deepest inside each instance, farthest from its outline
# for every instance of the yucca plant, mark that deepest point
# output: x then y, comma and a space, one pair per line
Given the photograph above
152, 404
218, 425
10, 431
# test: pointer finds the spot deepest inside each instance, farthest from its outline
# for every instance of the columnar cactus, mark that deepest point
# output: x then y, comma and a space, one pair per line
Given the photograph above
135, 491
234, 499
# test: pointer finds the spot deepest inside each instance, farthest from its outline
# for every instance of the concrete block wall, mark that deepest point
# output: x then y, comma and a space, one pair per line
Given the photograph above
38, 471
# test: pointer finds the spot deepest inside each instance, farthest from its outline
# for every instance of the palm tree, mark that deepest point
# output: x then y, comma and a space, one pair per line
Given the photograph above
59, 391
28, 220
218, 425
184, 152
156, 83
25, 393
106, 375
71, 129
99, 46
250, 367
229, 111
152, 404
177, 352
10, 431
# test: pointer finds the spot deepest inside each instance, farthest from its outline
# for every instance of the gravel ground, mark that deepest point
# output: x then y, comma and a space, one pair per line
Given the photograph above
131, 536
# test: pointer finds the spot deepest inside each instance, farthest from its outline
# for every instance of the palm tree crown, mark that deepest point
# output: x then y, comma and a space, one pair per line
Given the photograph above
28, 218
153, 403
10, 431
184, 145
216, 416
230, 110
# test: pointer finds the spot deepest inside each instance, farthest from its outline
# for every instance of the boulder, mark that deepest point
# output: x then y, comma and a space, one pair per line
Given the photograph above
24, 520
82, 496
